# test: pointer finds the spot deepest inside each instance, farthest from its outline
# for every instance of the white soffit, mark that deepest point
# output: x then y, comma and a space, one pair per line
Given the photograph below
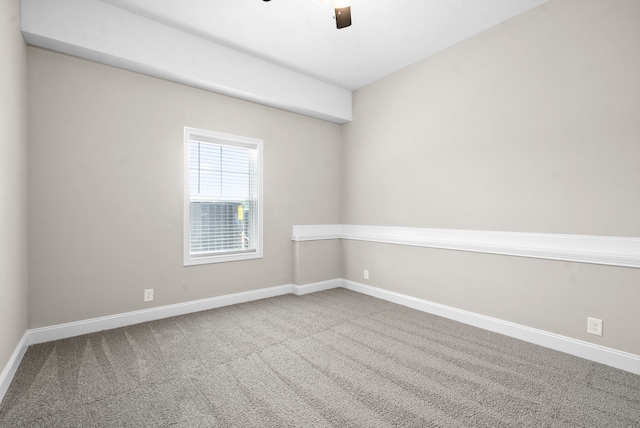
100, 32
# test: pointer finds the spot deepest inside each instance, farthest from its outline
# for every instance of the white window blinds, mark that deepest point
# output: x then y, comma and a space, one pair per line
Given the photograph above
223, 187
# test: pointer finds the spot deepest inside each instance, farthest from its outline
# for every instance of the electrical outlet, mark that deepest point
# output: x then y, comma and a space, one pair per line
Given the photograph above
366, 274
148, 295
594, 326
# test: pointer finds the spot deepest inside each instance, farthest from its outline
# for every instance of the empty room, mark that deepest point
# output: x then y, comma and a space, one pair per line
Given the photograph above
320, 213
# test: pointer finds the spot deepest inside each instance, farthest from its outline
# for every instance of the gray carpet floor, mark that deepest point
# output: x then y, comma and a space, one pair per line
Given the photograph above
329, 359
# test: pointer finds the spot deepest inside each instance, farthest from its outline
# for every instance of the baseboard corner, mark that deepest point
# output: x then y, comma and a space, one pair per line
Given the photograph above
93, 325
314, 287
6, 376
589, 351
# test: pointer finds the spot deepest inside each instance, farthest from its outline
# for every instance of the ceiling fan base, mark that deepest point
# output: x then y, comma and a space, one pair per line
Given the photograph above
343, 17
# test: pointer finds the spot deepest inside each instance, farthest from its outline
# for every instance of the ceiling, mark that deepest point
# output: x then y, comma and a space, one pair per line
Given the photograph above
286, 54
386, 35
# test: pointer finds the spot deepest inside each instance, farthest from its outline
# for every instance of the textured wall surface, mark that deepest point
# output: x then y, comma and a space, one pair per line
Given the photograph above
106, 188
532, 126
316, 261
13, 186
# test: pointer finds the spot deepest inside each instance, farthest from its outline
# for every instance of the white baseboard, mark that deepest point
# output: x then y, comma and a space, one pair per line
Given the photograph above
77, 328
589, 351
300, 290
611, 357
93, 325
62, 331
12, 366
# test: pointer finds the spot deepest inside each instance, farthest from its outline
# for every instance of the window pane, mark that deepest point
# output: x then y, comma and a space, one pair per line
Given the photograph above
223, 186
215, 227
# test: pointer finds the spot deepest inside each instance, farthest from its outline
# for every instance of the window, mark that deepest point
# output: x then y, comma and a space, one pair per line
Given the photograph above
223, 197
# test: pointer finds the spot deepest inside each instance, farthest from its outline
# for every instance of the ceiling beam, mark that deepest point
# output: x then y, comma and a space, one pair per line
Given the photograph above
103, 33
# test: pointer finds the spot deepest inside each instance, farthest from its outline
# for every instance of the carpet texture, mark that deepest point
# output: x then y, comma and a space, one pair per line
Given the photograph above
329, 359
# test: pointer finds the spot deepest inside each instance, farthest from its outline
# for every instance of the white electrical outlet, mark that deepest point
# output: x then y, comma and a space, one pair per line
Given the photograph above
594, 326
148, 295
366, 274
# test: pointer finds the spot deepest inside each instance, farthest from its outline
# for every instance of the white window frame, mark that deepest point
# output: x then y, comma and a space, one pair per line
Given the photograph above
222, 139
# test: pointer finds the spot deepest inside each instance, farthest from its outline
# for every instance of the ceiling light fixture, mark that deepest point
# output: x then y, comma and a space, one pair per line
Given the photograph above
342, 10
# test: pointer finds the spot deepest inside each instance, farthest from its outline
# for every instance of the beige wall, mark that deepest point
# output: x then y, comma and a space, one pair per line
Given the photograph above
548, 295
532, 126
13, 186
316, 261
106, 188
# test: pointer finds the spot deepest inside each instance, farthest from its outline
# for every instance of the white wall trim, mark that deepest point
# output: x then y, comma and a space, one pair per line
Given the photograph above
300, 290
12, 365
601, 354
77, 328
611, 357
605, 250
316, 232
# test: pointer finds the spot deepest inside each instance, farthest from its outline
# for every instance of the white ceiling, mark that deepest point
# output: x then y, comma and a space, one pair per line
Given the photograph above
386, 35
286, 54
